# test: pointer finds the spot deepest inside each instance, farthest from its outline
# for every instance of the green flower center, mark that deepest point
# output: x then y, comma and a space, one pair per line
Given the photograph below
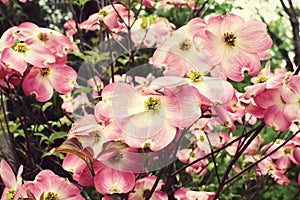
10, 194
229, 39
201, 138
147, 144
103, 13
185, 45
261, 79
115, 190
21, 47
50, 196
152, 104
271, 167
287, 150
192, 154
195, 76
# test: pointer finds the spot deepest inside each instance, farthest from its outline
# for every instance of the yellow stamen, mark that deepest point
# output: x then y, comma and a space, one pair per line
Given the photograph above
21, 47
152, 104
261, 79
195, 76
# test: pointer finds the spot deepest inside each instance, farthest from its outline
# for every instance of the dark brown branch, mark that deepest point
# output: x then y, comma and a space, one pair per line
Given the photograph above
291, 12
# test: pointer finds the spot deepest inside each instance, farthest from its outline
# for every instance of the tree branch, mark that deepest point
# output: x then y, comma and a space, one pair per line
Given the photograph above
291, 12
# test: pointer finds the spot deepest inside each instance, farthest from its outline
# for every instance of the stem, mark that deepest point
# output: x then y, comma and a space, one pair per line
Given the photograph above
216, 151
262, 158
169, 176
213, 158
236, 157
111, 58
159, 174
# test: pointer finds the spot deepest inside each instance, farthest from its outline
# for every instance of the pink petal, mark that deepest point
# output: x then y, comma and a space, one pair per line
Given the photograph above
252, 37
109, 181
38, 55
268, 98
13, 60
126, 101
62, 78
144, 125
7, 175
188, 108
238, 64
283, 163
38, 85
157, 142
296, 155
274, 118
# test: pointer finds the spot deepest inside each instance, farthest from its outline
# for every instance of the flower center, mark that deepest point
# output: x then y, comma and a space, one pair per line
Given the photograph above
185, 45
43, 37
230, 39
97, 135
144, 23
45, 71
50, 196
21, 47
271, 167
195, 76
201, 138
116, 190
261, 79
287, 150
146, 193
152, 104
10, 194
147, 144
192, 154
277, 141
103, 13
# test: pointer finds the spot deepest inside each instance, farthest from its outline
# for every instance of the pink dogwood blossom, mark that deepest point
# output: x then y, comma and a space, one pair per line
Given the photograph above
143, 188
114, 16
48, 185
290, 94
41, 81
236, 46
12, 183
147, 116
179, 55
111, 181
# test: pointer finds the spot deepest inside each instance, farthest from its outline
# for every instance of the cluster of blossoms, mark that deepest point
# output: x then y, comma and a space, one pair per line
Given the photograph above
46, 185
36, 58
108, 149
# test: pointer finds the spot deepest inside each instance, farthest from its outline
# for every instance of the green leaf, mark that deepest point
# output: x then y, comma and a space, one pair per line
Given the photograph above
46, 105
52, 153
80, 2
79, 55
43, 137
57, 135
82, 89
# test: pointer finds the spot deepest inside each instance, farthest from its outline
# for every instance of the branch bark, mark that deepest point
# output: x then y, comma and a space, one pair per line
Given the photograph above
293, 17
